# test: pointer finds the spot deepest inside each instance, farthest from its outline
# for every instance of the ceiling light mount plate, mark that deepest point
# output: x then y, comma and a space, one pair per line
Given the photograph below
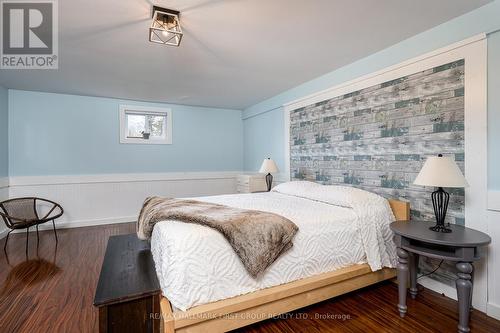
165, 28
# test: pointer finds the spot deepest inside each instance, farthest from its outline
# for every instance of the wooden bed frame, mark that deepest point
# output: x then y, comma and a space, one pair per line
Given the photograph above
239, 311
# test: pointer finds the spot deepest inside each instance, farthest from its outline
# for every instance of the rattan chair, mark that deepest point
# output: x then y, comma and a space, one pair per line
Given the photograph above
23, 213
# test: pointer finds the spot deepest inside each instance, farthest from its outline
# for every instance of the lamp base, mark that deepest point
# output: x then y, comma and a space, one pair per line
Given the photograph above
440, 199
269, 181
440, 228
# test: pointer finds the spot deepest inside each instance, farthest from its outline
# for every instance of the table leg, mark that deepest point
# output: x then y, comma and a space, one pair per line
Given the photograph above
472, 289
464, 291
402, 280
413, 274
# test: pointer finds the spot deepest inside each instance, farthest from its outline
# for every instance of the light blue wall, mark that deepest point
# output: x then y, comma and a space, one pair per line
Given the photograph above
4, 146
257, 124
263, 138
56, 134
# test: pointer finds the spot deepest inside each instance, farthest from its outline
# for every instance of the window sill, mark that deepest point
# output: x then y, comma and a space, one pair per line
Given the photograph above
139, 141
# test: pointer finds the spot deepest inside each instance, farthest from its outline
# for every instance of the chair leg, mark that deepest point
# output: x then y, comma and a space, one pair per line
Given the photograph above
27, 239
6, 240
55, 232
37, 237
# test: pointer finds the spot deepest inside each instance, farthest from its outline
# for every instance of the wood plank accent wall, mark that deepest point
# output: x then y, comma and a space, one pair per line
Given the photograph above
378, 138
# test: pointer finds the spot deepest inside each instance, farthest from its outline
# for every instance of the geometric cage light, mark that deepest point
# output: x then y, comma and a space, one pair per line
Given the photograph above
166, 27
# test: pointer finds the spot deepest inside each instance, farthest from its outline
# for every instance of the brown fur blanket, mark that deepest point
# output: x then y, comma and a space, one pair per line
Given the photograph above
257, 237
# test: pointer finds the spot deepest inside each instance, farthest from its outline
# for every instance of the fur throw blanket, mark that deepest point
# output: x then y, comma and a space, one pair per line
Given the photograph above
257, 237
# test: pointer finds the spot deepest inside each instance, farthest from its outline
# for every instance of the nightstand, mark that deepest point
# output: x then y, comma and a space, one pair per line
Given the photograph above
249, 183
462, 245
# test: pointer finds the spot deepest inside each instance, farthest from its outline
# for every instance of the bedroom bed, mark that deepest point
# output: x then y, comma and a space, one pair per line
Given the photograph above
343, 244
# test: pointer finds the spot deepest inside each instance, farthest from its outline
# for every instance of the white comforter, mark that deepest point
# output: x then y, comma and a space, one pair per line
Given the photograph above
196, 265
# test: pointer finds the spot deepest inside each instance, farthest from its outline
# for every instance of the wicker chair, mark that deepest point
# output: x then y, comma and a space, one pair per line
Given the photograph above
23, 213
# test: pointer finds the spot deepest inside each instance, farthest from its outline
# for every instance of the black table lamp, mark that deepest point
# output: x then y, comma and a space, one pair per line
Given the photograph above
268, 166
439, 171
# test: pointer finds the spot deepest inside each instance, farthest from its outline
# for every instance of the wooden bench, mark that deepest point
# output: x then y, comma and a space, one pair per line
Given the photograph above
128, 293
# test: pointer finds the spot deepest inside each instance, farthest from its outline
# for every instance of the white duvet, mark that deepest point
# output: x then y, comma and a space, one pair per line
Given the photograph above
338, 227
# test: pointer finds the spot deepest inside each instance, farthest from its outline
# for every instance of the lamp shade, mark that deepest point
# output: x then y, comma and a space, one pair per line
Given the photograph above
268, 166
439, 171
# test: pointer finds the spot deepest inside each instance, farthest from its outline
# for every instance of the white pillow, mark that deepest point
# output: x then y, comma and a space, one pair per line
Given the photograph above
295, 187
344, 196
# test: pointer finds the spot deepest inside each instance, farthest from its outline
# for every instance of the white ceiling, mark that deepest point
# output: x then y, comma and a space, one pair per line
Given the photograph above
234, 53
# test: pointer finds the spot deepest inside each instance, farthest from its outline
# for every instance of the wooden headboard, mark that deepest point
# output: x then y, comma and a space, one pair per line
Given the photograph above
401, 209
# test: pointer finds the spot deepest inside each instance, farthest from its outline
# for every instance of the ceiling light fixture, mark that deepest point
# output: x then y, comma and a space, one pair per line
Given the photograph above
166, 27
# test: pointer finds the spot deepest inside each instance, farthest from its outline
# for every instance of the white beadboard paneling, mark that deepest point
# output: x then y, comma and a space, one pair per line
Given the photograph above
103, 199
494, 200
493, 308
432, 284
4, 195
4, 182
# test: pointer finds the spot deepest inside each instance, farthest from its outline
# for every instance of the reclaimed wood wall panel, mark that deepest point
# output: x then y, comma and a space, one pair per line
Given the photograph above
378, 138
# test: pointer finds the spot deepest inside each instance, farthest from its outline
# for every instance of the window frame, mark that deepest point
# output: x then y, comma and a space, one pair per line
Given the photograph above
145, 110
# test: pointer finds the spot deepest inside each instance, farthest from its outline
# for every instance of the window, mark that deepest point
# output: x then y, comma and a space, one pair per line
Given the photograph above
145, 125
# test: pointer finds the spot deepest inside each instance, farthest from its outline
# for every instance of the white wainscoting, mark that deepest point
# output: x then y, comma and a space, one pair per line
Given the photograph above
4, 195
494, 200
493, 307
116, 198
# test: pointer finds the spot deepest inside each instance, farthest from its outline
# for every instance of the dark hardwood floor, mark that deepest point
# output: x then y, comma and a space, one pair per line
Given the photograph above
52, 291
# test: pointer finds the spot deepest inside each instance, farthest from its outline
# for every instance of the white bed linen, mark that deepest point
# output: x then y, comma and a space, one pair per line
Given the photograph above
196, 265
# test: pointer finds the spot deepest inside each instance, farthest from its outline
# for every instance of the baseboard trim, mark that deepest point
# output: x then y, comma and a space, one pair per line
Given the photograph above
89, 223
118, 178
493, 310
77, 224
